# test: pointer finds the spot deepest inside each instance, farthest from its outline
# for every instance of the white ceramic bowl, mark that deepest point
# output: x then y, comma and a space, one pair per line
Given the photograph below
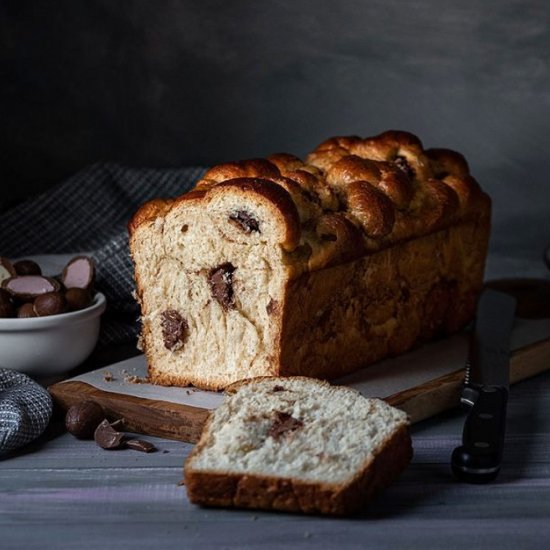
49, 345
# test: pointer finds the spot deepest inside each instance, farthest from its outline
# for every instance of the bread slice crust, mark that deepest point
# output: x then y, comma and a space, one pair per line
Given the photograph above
208, 487
228, 489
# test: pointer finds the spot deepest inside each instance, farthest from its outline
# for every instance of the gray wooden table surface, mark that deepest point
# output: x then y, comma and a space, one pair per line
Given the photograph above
65, 493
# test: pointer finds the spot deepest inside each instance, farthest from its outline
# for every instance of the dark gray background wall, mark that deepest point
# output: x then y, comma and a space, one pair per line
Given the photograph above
197, 82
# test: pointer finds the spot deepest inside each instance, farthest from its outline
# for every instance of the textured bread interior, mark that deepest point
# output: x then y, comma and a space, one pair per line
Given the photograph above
336, 431
177, 254
297, 444
279, 266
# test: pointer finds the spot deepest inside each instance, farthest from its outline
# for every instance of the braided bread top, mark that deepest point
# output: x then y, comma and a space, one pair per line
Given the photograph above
354, 196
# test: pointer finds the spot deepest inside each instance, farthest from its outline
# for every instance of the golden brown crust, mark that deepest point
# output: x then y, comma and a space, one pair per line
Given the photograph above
441, 206
372, 208
342, 241
390, 187
278, 197
148, 212
446, 161
295, 495
285, 162
158, 208
343, 317
162, 378
360, 218
252, 168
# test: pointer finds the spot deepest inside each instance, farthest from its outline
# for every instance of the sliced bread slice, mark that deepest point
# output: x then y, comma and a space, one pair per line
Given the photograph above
297, 444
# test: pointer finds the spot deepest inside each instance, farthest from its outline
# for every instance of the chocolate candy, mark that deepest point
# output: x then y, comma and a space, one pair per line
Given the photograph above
245, 221
83, 418
6, 269
77, 298
25, 293
79, 273
26, 288
51, 303
174, 329
140, 445
26, 311
107, 437
27, 267
6, 304
220, 280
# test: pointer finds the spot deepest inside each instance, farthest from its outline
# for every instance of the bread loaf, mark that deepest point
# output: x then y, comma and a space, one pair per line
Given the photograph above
281, 267
299, 445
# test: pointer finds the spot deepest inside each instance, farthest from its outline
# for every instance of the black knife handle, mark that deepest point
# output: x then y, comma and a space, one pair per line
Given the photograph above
478, 459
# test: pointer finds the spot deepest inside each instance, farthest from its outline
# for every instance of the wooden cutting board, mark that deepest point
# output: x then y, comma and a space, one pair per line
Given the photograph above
422, 383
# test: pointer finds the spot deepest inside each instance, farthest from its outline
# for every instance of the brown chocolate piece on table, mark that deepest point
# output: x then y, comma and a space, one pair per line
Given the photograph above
51, 303
140, 445
27, 287
108, 438
27, 267
83, 418
79, 273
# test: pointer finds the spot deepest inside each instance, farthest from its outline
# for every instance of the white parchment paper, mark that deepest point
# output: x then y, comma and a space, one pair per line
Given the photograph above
381, 380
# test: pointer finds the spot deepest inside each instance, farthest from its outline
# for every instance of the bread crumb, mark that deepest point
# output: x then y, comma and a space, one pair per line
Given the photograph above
180, 483
133, 379
107, 376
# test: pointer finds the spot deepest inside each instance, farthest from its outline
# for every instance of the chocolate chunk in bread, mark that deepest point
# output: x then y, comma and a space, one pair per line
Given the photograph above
283, 424
174, 329
221, 284
402, 164
245, 221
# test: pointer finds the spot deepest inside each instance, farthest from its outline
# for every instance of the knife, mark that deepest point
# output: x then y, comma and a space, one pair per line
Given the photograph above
485, 390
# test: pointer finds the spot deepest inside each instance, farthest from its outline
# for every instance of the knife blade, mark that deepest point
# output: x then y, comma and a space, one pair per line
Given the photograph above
485, 390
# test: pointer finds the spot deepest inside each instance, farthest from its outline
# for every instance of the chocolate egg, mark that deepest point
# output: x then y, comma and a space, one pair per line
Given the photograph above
27, 267
6, 304
26, 288
77, 298
51, 303
26, 311
83, 418
79, 273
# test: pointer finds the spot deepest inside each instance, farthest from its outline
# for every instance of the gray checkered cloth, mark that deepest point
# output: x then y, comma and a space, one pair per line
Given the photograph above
25, 410
89, 213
